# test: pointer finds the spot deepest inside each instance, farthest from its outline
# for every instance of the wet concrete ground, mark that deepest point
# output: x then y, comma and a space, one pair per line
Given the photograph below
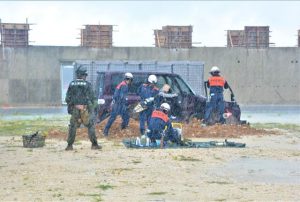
253, 114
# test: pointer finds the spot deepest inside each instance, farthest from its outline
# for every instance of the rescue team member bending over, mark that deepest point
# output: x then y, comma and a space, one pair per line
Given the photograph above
160, 125
216, 85
81, 104
147, 92
120, 104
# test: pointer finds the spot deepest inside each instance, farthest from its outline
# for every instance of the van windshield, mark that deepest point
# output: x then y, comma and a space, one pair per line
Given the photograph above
161, 80
183, 86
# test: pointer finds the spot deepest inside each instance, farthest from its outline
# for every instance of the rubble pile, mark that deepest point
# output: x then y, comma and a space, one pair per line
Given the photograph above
190, 130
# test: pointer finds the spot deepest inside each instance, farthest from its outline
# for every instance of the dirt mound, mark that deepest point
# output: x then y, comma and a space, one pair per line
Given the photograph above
190, 130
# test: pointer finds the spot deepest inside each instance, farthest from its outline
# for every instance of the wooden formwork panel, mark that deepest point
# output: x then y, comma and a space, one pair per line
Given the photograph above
235, 38
99, 27
178, 28
97, 36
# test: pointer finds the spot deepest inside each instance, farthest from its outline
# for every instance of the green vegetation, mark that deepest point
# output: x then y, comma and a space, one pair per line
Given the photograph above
105, 186
286, 126
157, 193
221, 199
25, 127
136, 161
218, 182
77, 142
184, 158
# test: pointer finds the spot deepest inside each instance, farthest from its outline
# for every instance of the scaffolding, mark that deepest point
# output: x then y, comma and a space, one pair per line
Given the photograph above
14, 34
257, 36
250, 37
174, 37
97, 36
235, 38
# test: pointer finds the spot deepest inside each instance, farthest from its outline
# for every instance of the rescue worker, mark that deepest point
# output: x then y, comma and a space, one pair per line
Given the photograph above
120, 104
160, 125
81, 105
147, 91
216, 85
166, 96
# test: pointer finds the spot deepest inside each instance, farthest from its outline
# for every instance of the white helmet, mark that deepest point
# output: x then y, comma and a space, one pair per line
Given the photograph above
165, 106
128, 75
215, 69
152, 79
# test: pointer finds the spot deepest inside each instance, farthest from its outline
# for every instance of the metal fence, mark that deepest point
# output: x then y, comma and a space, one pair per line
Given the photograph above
191, 71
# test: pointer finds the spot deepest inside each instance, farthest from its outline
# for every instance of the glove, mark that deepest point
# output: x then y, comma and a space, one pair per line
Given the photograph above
112, 103
150, 99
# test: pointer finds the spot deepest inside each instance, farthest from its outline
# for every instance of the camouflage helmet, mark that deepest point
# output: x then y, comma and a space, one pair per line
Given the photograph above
81, 71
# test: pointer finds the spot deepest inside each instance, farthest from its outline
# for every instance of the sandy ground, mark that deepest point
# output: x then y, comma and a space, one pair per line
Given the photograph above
118, 174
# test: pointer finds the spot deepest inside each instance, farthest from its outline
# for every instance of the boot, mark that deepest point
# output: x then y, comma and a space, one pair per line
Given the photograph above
105, 133
69, 147
96, 147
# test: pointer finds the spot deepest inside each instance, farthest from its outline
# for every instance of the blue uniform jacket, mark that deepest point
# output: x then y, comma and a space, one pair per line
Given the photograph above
120, 95
146, 91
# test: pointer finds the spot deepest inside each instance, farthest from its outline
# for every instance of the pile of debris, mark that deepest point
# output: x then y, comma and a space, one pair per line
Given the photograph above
190, 130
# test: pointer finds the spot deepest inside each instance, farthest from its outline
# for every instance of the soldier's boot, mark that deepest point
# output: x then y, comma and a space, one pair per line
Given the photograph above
69, 147
96, 146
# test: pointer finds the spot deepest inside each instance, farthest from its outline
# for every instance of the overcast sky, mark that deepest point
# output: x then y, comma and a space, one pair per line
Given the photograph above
59, 22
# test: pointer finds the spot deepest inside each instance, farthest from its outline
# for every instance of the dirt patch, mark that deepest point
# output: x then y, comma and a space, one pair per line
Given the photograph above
190, 130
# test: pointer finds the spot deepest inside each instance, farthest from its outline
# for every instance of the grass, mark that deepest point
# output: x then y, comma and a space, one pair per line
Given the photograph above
77, 142
184, 158
157, 193
24, 127
105, 187
286, 126
136, 161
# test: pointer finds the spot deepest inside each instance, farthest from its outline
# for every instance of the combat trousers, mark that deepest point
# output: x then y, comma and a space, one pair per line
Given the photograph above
86, 118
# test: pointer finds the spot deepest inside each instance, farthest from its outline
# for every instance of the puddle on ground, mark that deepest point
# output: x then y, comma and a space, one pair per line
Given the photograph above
261, 170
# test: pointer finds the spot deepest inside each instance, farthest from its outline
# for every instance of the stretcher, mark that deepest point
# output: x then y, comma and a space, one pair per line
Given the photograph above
132, 143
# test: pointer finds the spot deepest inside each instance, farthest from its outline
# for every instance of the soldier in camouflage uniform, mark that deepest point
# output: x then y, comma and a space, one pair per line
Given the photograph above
81, 104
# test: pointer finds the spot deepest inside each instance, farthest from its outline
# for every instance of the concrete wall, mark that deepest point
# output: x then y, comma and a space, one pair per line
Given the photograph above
31, 76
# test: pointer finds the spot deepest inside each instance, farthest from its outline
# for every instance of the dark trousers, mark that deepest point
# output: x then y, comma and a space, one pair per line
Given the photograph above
216, 104
172, 135
118, 109
145, 117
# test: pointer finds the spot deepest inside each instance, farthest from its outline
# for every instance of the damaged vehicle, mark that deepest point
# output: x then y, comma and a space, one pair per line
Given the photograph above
184, 107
